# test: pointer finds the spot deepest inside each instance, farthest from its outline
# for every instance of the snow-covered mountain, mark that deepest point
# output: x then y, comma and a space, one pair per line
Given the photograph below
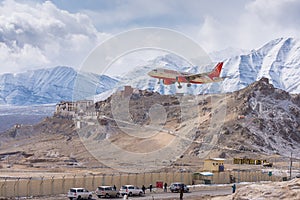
224, 54
138, 77
278, 60
46, 86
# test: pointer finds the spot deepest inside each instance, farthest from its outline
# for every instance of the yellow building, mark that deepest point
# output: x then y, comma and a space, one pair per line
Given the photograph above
248, 161
214, 164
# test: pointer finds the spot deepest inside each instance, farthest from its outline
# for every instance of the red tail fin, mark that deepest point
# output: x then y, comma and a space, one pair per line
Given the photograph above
217, 70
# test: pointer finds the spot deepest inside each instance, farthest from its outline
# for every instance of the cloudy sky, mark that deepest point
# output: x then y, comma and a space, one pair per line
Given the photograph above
37, 34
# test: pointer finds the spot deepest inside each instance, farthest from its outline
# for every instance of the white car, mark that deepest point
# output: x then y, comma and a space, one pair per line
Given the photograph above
79, 193
130, 190
176, 187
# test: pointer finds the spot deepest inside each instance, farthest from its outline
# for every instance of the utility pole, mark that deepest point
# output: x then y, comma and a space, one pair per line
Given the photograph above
291, 164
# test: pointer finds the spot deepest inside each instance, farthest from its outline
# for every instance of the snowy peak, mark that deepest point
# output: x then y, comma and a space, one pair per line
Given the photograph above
217, 56
278, 60
46, 86
139, 78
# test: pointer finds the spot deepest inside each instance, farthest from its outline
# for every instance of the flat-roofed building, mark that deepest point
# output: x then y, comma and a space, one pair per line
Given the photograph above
214, 164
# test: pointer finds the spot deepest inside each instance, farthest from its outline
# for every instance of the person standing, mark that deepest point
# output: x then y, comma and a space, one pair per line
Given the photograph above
181, 192
165, 187
150, 187
233, 188
144, 189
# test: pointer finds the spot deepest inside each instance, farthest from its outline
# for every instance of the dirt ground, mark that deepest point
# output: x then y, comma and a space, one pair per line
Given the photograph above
288, 190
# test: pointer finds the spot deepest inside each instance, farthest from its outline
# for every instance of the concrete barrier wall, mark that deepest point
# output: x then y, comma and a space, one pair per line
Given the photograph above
42, 186
240, 176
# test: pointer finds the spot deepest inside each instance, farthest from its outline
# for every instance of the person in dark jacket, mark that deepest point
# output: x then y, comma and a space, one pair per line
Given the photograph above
165, 187
181, 192
233, 188
144, 189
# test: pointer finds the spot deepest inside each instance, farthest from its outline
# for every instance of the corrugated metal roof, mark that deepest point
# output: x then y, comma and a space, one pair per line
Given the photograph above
206, 173
216, 159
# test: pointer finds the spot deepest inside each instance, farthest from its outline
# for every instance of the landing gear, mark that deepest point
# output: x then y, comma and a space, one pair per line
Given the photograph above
179, 86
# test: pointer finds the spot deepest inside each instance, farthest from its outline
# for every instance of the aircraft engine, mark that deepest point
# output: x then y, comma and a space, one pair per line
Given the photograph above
181, 79
168, 82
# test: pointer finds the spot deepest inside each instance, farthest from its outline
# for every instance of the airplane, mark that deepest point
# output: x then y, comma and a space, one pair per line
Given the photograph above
170, 76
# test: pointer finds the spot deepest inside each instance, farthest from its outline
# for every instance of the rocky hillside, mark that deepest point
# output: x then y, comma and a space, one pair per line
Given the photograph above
259, 119
265, 119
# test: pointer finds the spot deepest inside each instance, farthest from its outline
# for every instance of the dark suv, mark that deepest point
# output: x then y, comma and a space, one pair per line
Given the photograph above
175, 187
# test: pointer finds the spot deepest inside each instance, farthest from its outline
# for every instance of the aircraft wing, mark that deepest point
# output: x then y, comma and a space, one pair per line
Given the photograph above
198, 78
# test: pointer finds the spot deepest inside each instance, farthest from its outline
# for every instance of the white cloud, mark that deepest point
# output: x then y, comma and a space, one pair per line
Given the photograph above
135, 13
12, 56
41, 35
265, 20
259, 22
214, 35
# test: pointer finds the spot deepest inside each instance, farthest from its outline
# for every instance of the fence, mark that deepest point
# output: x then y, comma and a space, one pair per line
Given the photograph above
41, 186
238, 176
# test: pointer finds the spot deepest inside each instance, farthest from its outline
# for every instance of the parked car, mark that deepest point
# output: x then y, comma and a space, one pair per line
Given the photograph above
107, 191
79, 193
175, 187
131, 190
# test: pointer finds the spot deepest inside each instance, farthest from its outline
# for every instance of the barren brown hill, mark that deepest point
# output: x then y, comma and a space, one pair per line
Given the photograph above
258, 121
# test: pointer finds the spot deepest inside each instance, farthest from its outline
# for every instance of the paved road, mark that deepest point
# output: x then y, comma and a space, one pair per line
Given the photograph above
151, 196
190, 195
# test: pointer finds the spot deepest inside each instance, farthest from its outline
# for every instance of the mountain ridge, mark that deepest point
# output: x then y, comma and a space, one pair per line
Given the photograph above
260, 121
46, 86
278, 60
